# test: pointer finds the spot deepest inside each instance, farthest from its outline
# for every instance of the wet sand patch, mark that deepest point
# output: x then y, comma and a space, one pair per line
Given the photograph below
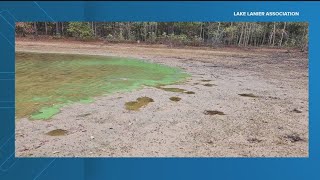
209, 85
176, 99
248, 95
209, 112
57, 132
177, 90
139, 103
172, 89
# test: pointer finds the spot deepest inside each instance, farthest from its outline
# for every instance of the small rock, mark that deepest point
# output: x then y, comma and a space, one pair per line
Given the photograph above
24, 149
210, 142
254, 140
294, 137
55, 152
296, 110
91, 137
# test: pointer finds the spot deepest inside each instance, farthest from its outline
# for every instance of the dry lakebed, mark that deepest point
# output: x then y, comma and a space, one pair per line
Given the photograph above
230, 103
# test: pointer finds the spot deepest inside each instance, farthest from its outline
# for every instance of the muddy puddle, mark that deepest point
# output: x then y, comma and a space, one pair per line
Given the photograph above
57, 132
139, 103
176, 99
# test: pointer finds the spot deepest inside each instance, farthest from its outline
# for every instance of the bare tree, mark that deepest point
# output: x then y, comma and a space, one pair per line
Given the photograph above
57, 29
46, 27
282, 33
35, 28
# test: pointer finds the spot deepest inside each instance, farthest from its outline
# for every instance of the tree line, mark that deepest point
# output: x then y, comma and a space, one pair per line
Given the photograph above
269, 34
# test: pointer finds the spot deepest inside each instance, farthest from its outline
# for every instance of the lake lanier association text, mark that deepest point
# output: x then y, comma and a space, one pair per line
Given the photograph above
266, 13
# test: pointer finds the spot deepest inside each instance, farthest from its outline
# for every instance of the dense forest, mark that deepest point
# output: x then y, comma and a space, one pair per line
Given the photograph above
268, 34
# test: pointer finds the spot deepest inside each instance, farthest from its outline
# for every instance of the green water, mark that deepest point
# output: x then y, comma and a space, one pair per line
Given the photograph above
47, 82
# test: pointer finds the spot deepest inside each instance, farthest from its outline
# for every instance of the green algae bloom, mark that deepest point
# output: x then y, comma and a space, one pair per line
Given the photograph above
47, 82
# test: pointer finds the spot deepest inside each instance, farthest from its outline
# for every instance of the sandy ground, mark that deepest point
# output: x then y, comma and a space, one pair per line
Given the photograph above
274, 124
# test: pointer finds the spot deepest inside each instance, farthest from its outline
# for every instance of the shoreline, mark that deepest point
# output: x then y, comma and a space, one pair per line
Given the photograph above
261, 126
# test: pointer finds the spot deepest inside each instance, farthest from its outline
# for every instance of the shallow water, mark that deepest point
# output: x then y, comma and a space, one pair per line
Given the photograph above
57, 132
177, 90
139, 103
47, 82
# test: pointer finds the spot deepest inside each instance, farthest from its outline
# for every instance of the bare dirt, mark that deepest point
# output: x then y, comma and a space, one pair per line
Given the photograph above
259, 100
